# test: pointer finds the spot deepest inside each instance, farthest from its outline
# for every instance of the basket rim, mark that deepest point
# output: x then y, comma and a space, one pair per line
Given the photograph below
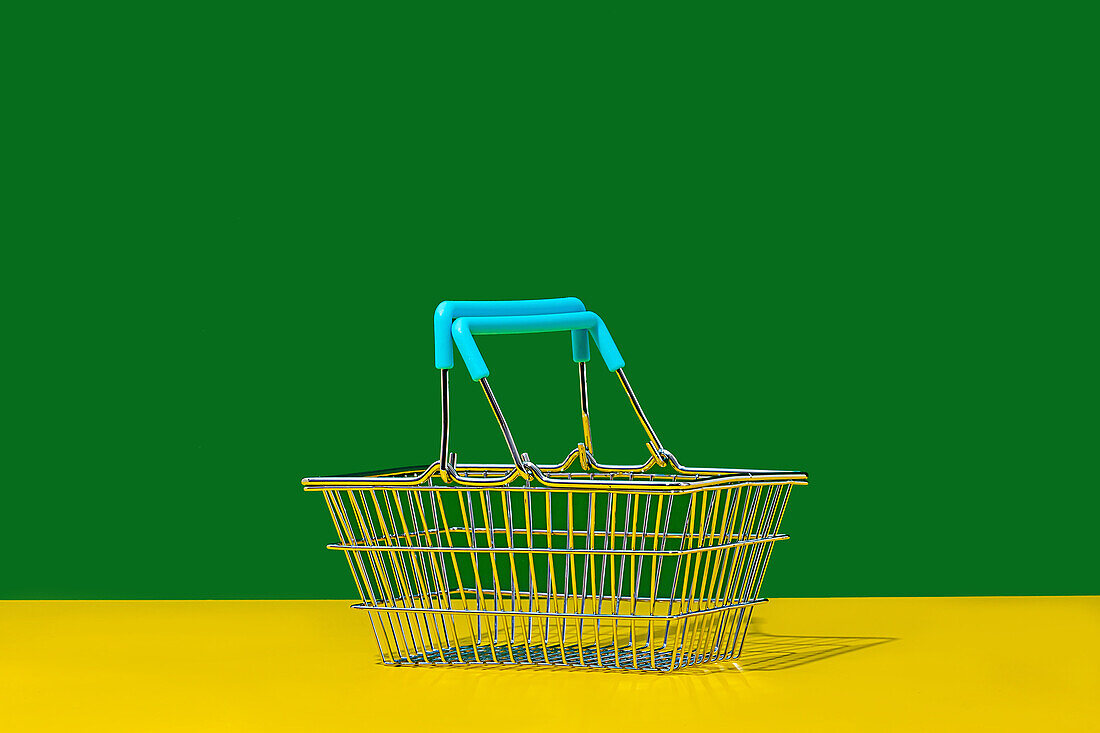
624, 481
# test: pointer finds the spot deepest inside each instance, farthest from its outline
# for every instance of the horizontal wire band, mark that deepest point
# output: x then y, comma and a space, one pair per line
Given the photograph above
637, 485
632, 472
505, 593
556, 550
557, 615
520, 531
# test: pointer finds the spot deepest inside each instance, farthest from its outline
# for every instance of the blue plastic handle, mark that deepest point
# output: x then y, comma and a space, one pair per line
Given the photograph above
584, 323
448, 310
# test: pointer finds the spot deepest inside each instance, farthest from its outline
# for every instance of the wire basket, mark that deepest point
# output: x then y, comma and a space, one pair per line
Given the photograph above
650, 567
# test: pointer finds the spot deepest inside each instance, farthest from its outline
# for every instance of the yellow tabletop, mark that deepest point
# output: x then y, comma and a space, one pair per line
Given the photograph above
808, 664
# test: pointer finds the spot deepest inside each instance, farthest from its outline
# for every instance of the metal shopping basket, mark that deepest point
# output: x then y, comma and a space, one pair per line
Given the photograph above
649, 567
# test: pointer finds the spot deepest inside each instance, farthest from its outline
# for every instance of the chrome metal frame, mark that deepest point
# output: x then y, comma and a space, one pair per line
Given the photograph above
476, 563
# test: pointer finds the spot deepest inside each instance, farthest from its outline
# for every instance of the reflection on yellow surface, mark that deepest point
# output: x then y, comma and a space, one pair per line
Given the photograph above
807, 664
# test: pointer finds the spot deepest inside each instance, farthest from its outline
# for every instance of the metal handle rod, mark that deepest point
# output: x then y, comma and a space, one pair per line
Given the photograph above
516, 458
445, 419
586, 424
659, 449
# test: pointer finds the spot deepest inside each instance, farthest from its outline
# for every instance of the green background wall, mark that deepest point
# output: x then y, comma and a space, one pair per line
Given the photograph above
853, 242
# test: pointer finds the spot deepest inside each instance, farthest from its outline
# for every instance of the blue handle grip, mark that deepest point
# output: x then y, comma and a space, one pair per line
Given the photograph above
448, 310
582, 324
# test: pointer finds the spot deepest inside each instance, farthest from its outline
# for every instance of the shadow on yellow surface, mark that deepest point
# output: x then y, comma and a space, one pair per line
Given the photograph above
772, 652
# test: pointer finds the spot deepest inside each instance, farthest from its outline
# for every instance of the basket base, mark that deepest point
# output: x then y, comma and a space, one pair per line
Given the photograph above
591, 656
